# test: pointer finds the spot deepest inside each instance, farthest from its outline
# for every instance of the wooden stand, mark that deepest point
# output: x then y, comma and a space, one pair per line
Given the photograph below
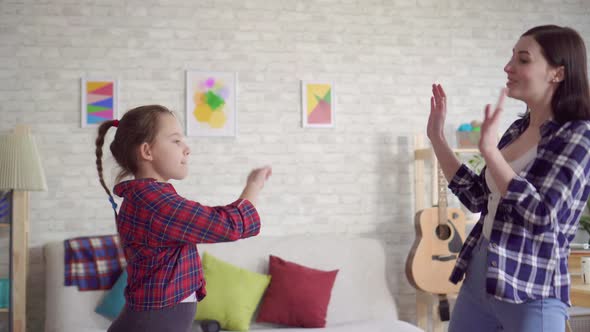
427, 303
580, 292
20, 258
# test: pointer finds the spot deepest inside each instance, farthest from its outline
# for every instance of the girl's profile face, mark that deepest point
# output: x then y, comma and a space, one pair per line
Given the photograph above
169, 149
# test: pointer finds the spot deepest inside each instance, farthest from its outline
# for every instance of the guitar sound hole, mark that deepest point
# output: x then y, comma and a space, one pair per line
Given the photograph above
443, 232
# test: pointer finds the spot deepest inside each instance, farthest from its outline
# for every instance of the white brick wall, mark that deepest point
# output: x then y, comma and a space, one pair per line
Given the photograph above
355, 178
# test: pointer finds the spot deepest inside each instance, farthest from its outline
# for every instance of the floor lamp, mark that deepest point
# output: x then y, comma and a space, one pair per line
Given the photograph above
20, 172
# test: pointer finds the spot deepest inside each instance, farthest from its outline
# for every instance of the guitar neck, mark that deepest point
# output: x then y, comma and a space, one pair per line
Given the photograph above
442, 197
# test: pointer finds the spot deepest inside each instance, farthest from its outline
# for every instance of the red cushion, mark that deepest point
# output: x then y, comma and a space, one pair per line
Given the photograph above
297, 295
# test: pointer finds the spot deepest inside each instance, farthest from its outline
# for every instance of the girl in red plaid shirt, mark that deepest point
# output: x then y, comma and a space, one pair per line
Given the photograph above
158, 228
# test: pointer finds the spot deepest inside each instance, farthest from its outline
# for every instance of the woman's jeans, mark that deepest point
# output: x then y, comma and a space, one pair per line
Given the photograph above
475, 310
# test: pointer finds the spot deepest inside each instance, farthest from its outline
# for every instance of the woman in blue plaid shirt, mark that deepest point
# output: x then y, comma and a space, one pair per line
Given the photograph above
531, 193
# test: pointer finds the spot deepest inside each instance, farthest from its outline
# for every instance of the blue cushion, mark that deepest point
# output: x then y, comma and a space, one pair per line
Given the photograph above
114, 300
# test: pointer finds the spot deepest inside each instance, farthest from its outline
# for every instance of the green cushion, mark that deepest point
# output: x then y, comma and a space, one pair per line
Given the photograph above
114, 300
233, 294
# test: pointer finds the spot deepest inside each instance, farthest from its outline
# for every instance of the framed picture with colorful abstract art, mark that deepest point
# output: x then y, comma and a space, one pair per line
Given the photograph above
211, 108
99, 101
317, 104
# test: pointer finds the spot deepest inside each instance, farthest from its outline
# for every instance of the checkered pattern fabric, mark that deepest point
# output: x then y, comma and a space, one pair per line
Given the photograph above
93, 262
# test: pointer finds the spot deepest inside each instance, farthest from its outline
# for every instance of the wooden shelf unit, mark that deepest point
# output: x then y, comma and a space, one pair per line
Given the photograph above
426, 303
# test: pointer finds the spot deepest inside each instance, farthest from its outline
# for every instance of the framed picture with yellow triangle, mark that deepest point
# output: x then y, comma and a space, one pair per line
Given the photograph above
317, 104
100, 100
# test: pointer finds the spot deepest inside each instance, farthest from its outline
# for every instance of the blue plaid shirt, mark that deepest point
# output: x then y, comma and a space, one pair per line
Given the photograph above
536, 219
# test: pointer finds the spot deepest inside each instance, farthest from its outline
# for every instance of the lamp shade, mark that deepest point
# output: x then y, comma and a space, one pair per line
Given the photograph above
20, 164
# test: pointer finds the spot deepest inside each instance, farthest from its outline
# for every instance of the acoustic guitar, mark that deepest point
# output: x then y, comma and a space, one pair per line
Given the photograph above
440, 232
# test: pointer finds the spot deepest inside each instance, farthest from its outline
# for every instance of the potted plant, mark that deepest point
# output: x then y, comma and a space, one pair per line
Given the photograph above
476, 163
585, 220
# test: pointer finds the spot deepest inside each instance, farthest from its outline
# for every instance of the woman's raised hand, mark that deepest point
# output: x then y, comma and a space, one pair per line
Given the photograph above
438, 113
489, 128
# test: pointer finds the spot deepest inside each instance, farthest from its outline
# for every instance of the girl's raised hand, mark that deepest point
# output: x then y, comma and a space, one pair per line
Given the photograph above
259, 176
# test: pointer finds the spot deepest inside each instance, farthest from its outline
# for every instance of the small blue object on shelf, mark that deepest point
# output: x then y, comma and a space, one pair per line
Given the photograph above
465, 127
4, 293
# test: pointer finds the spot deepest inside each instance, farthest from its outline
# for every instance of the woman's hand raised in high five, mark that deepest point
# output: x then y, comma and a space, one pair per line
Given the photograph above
438, 114
488, 140
435, 131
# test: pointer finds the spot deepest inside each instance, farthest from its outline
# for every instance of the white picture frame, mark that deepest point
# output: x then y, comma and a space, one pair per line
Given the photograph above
207, 93
99, 100
318, 104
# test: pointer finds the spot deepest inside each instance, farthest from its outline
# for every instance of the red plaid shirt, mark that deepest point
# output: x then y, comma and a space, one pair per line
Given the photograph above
159, 231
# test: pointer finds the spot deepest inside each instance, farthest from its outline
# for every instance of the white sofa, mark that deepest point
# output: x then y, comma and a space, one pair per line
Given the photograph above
361, 300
